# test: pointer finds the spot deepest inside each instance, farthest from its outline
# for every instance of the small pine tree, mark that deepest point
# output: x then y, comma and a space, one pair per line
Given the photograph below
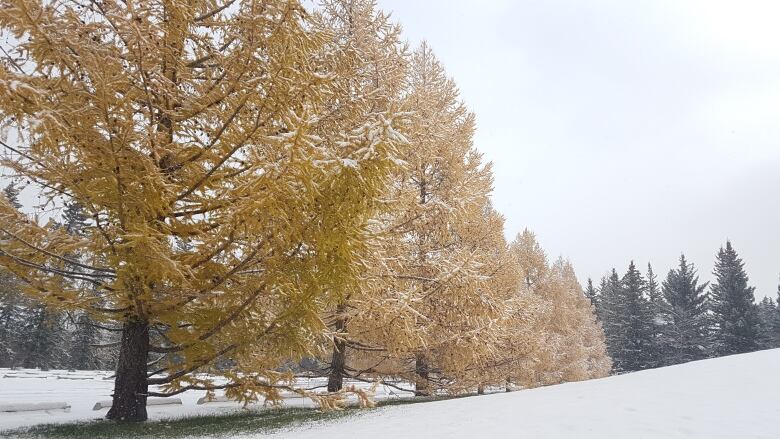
11, 193
602, 289
733, 307
654, 293
769, 318
592, 293
684, 326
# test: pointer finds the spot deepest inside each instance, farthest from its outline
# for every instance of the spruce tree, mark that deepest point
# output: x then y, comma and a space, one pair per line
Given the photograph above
84, 335
41, 339
12, 304
628, 321
611, 317
684, 315
11, 193
769, 318
639, 330
592, 293
655, 299
603, 287
654, 293
733, 307
83, 338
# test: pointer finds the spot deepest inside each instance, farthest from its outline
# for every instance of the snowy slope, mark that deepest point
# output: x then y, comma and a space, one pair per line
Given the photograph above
731, 397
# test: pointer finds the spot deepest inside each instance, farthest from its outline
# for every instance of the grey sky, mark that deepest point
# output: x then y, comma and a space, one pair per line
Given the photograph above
623, 130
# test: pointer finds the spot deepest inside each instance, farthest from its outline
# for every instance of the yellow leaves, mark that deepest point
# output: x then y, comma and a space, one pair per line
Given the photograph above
246, 171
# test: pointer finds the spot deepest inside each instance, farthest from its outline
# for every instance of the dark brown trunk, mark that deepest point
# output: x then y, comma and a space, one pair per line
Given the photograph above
130, 386
508, 383
339, 358
481, 389
421, 368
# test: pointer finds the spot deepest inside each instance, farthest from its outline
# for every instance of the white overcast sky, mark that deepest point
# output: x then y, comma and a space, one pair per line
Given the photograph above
623, 130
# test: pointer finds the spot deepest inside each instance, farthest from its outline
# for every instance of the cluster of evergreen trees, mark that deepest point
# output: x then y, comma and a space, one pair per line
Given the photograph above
33, 335
647, 324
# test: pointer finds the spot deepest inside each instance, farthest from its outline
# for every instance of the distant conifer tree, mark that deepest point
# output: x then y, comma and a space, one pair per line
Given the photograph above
733, 305
684, 315
628, 321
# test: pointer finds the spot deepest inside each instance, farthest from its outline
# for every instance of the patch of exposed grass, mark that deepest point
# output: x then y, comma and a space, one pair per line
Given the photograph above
225, 425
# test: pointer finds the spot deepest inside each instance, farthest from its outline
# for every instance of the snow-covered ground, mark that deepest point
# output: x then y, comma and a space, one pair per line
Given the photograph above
735, 397
82, 389
731, 397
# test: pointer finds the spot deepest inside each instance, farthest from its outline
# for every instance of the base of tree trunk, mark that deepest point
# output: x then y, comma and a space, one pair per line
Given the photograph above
422, 384
130, 385
336, 375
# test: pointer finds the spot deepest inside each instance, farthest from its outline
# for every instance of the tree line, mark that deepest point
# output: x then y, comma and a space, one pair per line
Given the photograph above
34, 335
649, 325
257, 183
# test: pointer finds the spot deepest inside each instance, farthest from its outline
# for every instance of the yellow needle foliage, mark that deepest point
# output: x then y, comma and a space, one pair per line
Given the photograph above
227, 208
436, 292
570, 343
265, 183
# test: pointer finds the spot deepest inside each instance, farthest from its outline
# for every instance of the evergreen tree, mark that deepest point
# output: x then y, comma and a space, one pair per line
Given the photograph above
42, 341
74, 219
733, 305
654, 293
83, 338
12, 304
684, 315
628, 321
655, 299
610, 314
592, 293
84, 335
603, 287
769, 318
11, 193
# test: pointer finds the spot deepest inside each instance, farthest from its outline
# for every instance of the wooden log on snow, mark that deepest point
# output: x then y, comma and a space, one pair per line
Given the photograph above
206, 400
75, 377
33, 407
151, 401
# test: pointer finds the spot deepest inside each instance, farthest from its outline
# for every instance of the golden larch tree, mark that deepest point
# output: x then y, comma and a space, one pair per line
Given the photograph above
367, 51
570, 343
225, 215
431, 306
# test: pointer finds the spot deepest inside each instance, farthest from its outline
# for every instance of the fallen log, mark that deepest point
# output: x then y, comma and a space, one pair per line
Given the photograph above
33, 407
151, 401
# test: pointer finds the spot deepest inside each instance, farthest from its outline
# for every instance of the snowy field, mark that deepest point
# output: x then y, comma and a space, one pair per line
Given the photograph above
81, 390
731, 397
735, 397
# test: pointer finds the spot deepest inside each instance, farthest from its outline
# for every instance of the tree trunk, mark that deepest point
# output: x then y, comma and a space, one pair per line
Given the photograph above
130, 386
508, 383
339, 358
421, 368
480, 389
